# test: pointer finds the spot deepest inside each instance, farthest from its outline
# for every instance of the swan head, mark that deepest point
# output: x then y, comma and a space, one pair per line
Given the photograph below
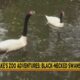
61, 16
62, 13
31, 12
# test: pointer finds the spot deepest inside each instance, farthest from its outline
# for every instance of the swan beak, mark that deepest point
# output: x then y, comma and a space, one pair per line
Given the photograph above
33, 12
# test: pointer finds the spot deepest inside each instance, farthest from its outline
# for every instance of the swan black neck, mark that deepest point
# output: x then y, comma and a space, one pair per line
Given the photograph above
61, 18
24, 33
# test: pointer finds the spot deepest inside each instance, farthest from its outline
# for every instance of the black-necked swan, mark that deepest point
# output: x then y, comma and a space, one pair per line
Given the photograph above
15, 44
55, 21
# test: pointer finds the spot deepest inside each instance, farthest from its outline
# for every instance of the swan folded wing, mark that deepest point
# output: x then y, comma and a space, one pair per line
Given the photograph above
53, 20
11, 45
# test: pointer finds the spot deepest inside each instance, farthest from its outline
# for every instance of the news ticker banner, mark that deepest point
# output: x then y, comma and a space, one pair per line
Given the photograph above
39, 66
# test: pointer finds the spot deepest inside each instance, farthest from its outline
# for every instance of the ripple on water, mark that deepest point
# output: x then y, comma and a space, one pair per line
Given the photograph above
3, 31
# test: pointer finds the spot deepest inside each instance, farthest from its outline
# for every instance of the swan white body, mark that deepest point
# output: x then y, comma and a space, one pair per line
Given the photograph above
13, 44
54, 22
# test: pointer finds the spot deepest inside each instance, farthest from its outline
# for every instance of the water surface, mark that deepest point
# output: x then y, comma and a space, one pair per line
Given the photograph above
43, 42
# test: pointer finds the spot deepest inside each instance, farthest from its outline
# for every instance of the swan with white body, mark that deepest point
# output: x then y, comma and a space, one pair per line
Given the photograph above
15, 44
55, 21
